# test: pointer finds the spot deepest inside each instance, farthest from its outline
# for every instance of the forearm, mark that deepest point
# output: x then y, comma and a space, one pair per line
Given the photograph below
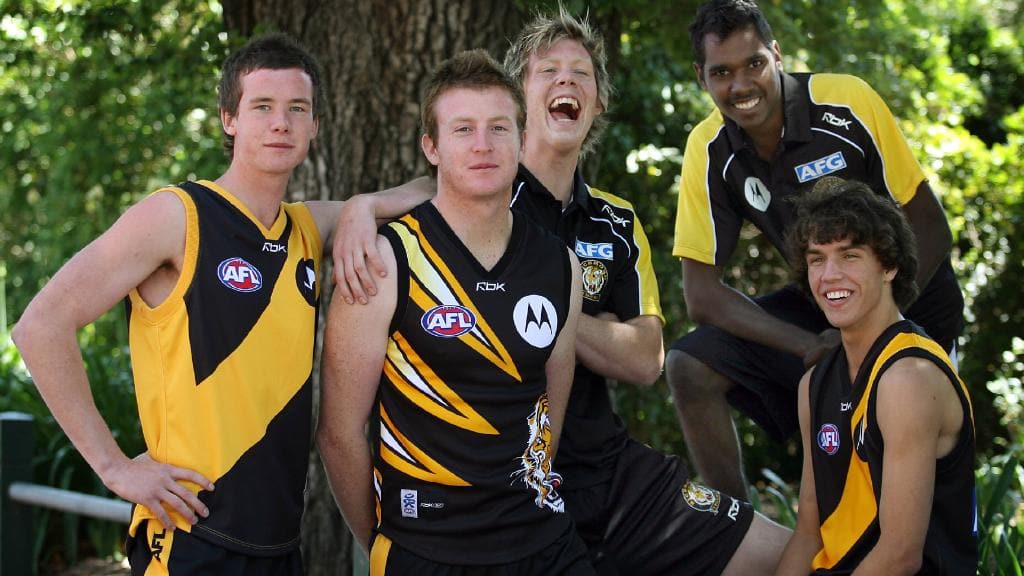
396, 201
55, 362
798, 554
620, 350
349, 471
738, 315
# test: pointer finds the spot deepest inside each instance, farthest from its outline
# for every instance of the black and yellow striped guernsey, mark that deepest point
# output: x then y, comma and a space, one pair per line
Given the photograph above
615, 261
835, 125
847, 456
460, 428
222, 368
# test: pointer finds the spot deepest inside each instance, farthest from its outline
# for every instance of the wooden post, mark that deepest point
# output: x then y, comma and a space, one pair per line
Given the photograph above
16, 445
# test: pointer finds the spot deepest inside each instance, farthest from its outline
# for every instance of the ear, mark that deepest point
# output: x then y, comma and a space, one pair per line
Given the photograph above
227, 121
889, 275
776, 52
430, 149
700, 76
316, 128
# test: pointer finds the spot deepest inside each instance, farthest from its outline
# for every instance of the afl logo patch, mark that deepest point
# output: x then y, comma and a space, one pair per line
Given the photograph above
701, 498
448, 321
828, 438
536, 320
595, 274
239, 275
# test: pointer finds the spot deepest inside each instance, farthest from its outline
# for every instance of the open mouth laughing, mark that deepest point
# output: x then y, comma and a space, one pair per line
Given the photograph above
564, 108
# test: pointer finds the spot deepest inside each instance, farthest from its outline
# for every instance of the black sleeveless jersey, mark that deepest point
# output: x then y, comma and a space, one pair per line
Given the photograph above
222, 368
460, 430
847, 449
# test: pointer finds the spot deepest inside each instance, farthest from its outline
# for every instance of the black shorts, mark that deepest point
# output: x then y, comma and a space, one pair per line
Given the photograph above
652, 520
155, 551
566, 556
767, 378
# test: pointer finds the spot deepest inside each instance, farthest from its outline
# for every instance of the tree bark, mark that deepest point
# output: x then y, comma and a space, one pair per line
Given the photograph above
376, 56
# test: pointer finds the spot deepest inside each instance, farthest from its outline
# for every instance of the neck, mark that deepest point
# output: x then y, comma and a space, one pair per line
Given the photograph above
553, 168
858, 340
767, 141
262, 194
483, 225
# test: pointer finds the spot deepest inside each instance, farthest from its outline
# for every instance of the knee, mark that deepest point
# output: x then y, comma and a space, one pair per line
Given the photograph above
690, 378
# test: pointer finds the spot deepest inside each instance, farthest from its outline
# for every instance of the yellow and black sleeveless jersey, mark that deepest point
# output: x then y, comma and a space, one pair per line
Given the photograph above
847, 449
222, 368
834, 125
615, 259
460, 431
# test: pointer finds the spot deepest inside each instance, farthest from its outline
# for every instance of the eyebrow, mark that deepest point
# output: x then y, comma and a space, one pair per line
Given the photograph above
262, 99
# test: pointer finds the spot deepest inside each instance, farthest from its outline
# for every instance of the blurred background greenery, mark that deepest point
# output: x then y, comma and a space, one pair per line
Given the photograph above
102, 101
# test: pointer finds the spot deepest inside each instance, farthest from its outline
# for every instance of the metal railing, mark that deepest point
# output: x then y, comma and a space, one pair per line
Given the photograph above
18, 495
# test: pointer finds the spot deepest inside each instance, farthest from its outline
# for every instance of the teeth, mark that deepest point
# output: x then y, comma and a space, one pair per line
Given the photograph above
837, 294
747, 104
565, 100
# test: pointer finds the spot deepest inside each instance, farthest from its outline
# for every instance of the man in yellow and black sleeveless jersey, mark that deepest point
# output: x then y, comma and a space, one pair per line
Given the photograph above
464, 361
771, 136
886, 422
221, 279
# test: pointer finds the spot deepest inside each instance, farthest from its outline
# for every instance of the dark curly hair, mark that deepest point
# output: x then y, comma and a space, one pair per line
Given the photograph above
723, 17
837, 209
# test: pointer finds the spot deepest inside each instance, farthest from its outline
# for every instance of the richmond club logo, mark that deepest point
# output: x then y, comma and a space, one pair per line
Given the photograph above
828, 438
239, 275
448, 321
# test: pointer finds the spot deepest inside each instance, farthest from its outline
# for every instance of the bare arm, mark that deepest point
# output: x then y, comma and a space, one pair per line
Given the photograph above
913, 414
931, 229
709, 301
355, 344
630, 351
805, 542
562, 362
354, 245
146, 240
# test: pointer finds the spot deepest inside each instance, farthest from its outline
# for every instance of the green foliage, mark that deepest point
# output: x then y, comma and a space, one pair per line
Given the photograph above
100, 103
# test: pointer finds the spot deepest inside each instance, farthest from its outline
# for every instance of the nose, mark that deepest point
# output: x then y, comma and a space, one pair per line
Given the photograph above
566, 77
831, 270
279, 122
482, 141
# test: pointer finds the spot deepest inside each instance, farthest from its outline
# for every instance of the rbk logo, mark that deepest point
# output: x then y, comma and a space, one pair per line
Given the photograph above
490, 286
836, 120
615, 217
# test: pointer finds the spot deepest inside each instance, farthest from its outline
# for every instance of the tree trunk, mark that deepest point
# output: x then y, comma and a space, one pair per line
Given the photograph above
376, 57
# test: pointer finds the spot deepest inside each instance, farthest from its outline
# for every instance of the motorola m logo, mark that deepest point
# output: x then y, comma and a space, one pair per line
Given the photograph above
536, 320
490, 286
